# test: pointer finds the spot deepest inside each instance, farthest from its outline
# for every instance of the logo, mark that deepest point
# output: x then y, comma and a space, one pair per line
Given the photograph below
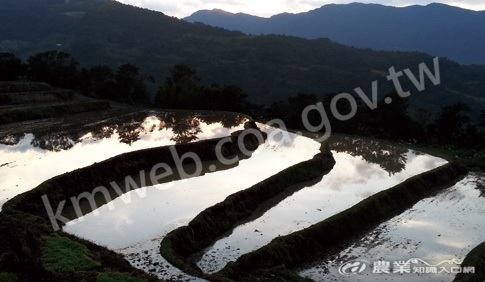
412, 266
353, 267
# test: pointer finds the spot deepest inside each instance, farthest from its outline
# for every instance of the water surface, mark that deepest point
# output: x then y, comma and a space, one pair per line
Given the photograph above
137, 228
33, 152
438, 231
363, 168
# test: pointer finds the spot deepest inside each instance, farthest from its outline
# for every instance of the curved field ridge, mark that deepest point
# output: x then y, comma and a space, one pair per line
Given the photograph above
306, 245
72, 184
28, 243
475, 258
179, 245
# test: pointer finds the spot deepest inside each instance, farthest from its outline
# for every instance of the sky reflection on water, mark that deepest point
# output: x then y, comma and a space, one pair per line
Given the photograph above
136, 229
350, 181
176, 203
363, 168
27, 159
445, 227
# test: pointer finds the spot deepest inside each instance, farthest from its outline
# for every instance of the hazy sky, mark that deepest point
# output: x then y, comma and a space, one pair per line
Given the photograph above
266, 8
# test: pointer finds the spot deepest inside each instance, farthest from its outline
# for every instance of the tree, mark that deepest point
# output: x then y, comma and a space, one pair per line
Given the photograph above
296, 105
344, 108
130, 86
450, 122
394, 121
279, 110
226, 98
423, 116
102, 82
180, 90
10, 67
56, 68
290, 111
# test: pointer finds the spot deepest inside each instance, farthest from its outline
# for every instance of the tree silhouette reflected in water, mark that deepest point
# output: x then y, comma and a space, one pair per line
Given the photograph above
54, 143
185, 127
186, 130
228, 120
104, 132
389, 157
479, 181
10, 140
130, 132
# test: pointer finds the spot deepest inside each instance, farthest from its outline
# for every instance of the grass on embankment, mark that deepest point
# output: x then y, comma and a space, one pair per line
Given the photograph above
8, 277
66, 258
116, 277
31, 252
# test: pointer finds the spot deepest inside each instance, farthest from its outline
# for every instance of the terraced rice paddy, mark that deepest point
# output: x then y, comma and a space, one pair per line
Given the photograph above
135, 223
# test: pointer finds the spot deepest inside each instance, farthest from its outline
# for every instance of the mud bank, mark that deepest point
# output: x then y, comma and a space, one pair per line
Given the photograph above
309, 244
476, 258
185, 242
15, 93
22, 101
49, 111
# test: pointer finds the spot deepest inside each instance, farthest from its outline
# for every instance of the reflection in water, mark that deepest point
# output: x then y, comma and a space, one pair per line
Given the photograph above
441, 228
389, 157
130, 132
186, 132
139, 183
53, 142
168, 206
480, 185
351, 180
226, 119
10, 139
104, 132
186, 127
270, 158
65, 144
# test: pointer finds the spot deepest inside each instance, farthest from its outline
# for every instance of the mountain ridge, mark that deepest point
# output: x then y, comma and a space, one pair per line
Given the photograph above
436, 29
268, 68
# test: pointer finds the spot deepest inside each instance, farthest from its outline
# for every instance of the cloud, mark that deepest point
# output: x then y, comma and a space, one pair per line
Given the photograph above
185, 8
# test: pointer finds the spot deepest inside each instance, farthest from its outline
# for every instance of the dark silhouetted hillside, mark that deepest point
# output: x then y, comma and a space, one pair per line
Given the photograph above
268, 68
436, 29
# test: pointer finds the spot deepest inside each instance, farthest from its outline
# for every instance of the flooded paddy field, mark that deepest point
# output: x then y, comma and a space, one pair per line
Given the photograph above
32, 152
35, 151
136, 229
426, 243
362, 169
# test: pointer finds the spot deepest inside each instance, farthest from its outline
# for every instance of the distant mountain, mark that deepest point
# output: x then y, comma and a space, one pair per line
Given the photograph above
238, 22
268, 68
436, 29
